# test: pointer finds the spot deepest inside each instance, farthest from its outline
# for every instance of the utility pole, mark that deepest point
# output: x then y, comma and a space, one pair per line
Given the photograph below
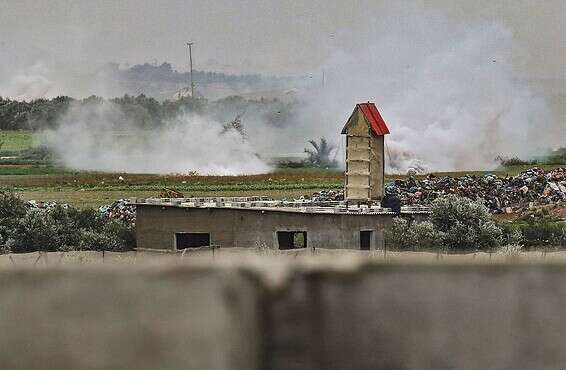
190, 45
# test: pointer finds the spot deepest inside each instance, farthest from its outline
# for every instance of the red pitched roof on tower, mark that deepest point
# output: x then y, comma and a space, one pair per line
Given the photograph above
372, 116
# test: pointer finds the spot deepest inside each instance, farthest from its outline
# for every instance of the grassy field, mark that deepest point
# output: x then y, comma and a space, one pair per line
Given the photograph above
41, 180
16, 140
86, 189
92, 189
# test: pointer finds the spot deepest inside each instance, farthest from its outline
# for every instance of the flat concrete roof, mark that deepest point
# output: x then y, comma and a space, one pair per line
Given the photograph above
267, 204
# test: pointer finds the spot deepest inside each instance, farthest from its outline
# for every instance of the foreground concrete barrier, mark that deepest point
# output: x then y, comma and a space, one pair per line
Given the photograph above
312, 316
423, 317
110, 319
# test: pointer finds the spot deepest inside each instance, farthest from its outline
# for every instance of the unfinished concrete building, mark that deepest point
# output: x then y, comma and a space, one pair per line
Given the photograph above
365, 131
177, 224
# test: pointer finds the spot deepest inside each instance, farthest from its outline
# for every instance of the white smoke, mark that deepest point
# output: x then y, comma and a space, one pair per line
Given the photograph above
449, 92
31, 74
448, 88
100, 137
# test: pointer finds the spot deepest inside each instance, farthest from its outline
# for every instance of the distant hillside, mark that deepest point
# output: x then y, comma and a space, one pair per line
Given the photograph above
163, 82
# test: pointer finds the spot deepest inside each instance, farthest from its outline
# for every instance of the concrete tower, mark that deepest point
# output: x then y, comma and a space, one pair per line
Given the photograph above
365, 160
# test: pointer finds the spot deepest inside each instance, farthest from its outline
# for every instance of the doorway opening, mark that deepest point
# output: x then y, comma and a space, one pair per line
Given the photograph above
365, 240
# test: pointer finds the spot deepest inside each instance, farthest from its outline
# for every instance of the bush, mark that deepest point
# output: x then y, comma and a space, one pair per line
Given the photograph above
556, 157
539, 231
455, 224
59, 229
398, 235
35, 232
12, 209
510, 249
413, 236
465, 224
514, 161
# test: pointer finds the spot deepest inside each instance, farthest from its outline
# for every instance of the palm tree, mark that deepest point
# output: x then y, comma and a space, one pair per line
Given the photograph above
320, 156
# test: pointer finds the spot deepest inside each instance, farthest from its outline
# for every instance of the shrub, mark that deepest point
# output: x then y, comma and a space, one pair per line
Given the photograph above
398, 235
123, 235
514, 161
423, 235
12, 208
34, 232
466, 224
92, 240
405, 235
455, 224
539, 231
510, 249
59, 229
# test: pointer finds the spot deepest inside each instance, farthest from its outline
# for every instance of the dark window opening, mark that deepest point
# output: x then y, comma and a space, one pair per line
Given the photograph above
365, 240
292, 239
192, 240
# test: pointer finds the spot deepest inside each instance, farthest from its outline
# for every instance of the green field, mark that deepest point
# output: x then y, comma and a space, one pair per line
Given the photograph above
16, 140
92, 189
96, 188
25, 170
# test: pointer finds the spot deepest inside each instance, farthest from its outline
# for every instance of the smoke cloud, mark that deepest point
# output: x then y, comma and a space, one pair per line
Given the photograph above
32, 74
100, 137
449, 92
448, 87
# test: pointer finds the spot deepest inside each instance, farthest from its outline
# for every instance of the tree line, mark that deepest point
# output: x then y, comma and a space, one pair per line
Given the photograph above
165, 72
142, 110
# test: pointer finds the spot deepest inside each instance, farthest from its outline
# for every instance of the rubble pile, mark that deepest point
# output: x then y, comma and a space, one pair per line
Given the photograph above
120, 209
328, 196
44, 206
529, 190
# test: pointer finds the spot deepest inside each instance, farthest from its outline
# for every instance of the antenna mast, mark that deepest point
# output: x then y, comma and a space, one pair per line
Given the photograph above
190, 45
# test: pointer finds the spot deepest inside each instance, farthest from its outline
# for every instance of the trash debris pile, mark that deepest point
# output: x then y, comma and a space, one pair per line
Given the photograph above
328, 196
44, 206
120, 209
529, 190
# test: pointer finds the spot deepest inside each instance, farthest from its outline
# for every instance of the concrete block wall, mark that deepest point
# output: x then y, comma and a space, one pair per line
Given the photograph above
371, 317
156, 227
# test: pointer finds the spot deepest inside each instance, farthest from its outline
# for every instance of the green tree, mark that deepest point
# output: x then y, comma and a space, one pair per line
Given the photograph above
320, 154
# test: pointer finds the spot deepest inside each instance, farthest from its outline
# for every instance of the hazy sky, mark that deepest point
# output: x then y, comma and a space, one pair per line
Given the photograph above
273, 37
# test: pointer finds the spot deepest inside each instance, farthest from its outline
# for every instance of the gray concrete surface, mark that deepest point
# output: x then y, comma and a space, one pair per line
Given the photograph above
110, 319
427, 317
284, 314
156, 227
